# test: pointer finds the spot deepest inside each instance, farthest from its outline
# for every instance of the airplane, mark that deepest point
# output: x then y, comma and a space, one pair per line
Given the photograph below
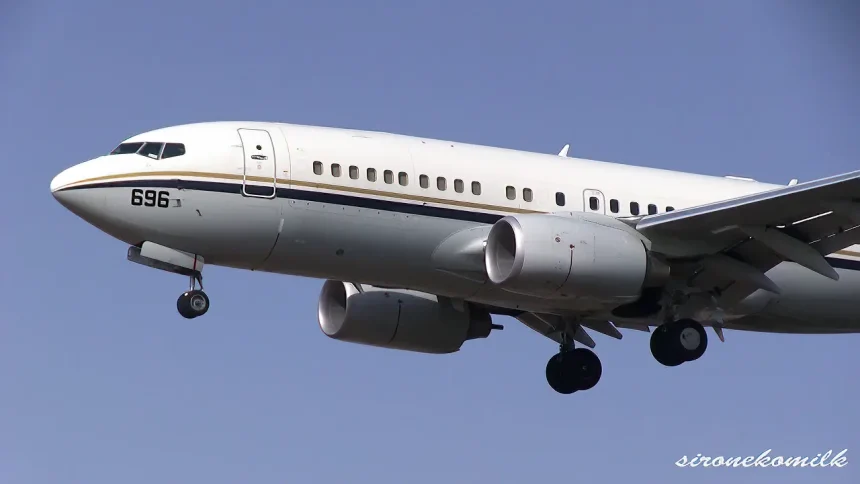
422, 242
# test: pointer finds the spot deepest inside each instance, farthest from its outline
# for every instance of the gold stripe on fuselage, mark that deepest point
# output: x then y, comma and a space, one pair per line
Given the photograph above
325, 186
284, 181
849, 253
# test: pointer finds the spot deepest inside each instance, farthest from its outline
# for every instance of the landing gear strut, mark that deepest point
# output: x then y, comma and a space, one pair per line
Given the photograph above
678, 342
573, 369
193, 302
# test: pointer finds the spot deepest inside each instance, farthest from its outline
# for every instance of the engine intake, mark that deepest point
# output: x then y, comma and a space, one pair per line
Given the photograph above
581, 255
398, 319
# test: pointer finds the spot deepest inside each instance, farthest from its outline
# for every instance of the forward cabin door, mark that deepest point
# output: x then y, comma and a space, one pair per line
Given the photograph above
593, 201
260, 173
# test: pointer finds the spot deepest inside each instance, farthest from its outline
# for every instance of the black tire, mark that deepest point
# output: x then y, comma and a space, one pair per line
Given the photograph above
183, 307
559, 375
192, 304
661, 345
587, 368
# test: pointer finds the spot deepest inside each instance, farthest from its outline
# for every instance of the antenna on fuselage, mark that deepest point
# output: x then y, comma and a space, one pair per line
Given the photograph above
792, 182
563, 151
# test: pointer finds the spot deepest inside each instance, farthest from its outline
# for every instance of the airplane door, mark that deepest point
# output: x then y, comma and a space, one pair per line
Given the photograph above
593, 201
260, 165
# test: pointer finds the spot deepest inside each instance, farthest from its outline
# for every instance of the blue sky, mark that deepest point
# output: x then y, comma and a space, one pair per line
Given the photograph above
101, 381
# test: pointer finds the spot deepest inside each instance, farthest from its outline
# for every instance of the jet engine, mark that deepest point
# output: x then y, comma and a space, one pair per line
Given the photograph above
581, 255
398, 319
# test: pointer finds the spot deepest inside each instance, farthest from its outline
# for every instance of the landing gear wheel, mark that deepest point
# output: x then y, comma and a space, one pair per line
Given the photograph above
661, 348
678, 342
588, 368
193, 303
559, 375
573, 370
693, 340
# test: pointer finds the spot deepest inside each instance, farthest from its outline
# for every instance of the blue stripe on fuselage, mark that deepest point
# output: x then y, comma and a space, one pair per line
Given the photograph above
346, 200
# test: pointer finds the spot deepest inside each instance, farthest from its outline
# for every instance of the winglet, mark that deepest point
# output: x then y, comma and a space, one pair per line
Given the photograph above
563, 151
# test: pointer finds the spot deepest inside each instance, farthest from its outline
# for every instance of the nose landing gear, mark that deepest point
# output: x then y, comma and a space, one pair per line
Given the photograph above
193, 302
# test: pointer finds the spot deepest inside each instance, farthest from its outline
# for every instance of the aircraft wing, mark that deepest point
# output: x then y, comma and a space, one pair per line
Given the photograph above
731, 244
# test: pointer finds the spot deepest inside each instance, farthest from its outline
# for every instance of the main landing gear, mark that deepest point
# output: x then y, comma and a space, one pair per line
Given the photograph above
193, 302
678, 342
573, 369
578, 369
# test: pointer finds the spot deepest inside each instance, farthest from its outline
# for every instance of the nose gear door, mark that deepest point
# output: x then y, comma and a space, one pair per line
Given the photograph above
260, 172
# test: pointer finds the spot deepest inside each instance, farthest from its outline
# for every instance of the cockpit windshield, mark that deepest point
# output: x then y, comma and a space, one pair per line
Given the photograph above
151, 149
173, 149
125, 148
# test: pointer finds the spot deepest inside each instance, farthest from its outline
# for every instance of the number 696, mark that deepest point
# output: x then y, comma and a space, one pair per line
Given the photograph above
150, 198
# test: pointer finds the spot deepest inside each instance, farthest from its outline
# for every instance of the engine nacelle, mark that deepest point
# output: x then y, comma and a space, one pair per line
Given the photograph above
580, 255
398, 319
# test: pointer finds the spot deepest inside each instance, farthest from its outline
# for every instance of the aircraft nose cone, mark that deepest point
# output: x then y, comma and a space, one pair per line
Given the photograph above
58, 182
55, 183
62, 179
88, 204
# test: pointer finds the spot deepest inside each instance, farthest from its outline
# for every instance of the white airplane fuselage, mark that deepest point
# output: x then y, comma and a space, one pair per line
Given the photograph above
396, 211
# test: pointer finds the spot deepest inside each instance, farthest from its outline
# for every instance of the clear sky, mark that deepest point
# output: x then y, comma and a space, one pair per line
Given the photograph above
102, 382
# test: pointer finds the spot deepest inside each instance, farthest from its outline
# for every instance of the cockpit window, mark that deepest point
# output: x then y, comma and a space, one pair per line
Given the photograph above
173, 149
151, 150
126, 148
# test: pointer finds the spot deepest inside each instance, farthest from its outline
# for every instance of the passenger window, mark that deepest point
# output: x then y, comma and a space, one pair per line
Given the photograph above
151, 150
458, 186
613, 206
476, 188
510, 192
353, 172
388, 176
424, 181
441, 184
527, 194
371, 174
652, 209
403, 178
670, 208
559, 199
318, 168
634, 208
335, 170
593, 203
126, 148
178, 149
